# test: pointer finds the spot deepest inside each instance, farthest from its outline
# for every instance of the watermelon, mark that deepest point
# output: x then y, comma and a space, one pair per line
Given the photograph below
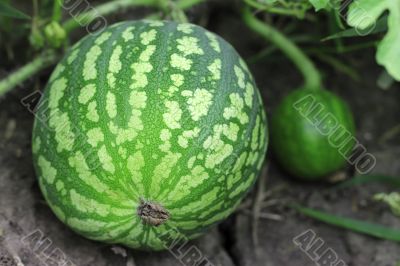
148, 131
312, 133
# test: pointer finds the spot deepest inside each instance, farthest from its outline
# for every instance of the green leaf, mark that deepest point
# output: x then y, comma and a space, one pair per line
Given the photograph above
363, 14
365, 179
319, 4
380, 26
358, 226
9, 11
391, 199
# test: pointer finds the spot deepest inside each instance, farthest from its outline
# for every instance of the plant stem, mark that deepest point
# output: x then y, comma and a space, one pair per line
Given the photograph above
176, 12
185, 4
312, 78
272, 48
57, 10
113, 6
104, 10
277, 10
338, 65
49, 57
42, 61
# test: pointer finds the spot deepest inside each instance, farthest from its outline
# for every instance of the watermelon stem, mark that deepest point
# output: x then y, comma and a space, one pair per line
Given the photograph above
176, 13
312, 77
44, 60
57, 10
152, 213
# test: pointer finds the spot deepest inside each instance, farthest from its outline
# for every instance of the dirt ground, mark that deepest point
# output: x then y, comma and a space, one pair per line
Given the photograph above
241, 240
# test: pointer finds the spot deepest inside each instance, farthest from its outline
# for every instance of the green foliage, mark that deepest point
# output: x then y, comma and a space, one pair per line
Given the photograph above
290, 7
36, 38
365, 17
368, 179
297, 8
319, 4
358, 226
392, 199
376, 230
48, 31
14, 27
8, 11
380, 26
55, 34
364, 14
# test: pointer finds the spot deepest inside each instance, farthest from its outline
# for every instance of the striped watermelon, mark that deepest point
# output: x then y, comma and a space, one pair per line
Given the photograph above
148, 128
312, 133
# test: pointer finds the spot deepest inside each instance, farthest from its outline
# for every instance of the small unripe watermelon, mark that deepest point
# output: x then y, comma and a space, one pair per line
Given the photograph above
312, 133
147, 132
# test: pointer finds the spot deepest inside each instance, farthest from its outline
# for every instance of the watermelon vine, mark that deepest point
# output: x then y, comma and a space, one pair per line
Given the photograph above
298, 143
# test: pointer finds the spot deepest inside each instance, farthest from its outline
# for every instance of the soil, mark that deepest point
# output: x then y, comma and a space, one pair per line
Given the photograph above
242, 239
